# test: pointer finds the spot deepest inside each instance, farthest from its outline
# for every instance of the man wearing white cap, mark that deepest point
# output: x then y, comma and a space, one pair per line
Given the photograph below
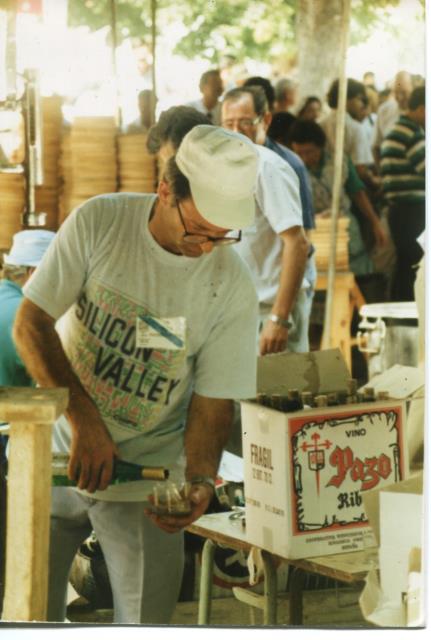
27, 251
159, 334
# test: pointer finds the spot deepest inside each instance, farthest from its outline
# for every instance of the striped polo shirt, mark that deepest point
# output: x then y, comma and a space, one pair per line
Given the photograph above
402, 164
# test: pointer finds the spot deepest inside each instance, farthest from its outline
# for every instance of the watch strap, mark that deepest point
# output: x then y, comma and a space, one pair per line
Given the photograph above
283, 322
203, 480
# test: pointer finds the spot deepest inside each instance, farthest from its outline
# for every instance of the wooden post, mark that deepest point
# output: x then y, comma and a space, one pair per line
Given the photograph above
153, 54
31, 414
338, 176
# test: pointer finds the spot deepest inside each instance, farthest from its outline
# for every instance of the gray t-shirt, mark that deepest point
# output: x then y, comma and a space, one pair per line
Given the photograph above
144, 328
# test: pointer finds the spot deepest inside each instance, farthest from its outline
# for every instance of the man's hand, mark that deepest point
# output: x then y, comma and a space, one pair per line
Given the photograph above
379, 233
273, 338
92, 449
200, 496
92, 455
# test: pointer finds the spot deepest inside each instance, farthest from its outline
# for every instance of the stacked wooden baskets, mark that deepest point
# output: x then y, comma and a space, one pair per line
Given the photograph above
321, 239
88, 161
12, 203
47, 195
137, 169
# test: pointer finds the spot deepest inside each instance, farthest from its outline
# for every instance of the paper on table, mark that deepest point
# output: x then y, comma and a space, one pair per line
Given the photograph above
399, 380
231, 467
377, 608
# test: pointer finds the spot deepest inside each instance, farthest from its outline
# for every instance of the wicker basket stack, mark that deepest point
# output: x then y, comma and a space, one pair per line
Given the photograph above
88, 161
47, 195
137, 169
12, 203
320, 237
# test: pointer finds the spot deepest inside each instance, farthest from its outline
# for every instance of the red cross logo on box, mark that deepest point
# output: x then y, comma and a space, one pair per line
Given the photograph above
316, 457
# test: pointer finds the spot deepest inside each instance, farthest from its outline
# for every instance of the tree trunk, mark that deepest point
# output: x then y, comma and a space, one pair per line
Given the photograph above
319, 27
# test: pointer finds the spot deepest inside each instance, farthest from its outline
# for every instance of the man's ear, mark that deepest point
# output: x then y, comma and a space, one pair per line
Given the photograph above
266, 120
164, 192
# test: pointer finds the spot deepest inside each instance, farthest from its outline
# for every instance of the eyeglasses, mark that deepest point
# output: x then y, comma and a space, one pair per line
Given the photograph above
231, 237
242, 123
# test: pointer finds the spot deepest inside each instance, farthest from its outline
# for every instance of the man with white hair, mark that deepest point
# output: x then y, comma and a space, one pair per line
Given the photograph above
158, 338
389, 112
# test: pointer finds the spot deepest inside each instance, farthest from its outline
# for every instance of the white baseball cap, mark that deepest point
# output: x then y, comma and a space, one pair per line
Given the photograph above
28, 247
221, 167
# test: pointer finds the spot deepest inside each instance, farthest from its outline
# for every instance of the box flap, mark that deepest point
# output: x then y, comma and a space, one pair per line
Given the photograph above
317, 371
372, 499
401, 381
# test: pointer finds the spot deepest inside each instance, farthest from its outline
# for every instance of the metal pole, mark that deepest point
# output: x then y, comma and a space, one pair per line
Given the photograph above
338, 175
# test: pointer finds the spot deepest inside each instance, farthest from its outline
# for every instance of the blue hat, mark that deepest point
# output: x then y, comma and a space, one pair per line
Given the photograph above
28, 247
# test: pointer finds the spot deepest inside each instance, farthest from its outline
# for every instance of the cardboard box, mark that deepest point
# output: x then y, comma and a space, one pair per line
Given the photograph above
305, 472
396, 514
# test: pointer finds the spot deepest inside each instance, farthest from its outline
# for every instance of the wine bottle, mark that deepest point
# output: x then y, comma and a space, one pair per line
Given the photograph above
369, 394
332, 399
307, 399
383, 395
342, 397
276, 401
352, 386
352, 391
122, 472
292, 401
263, 399
321, 400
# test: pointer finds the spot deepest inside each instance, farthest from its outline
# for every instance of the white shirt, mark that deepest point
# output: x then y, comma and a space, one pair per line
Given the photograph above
278, 208
105, 271
215, 112
356, 143
368, 125
387, 115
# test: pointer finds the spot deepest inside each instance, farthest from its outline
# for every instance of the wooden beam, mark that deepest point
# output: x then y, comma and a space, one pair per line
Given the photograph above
29, 498
32, 405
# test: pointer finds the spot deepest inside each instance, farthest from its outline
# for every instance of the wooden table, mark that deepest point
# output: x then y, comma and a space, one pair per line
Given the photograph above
219, 529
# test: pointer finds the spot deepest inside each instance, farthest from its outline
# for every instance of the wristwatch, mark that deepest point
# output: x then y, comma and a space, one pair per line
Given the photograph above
283, 322
203, 480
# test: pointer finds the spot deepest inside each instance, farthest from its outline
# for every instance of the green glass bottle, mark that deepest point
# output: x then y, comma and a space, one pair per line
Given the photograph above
123, 472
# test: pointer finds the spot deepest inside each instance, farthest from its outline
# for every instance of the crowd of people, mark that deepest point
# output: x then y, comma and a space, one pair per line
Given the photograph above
384, 182
164, 300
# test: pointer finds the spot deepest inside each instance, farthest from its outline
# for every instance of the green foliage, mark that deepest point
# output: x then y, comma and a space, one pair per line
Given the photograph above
133, 16
243, 28
260, 29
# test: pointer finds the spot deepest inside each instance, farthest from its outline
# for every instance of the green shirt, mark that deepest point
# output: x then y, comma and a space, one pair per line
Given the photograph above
402, 163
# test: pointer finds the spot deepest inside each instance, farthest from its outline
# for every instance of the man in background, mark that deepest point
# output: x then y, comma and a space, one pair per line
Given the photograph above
26, 253
285, 95
146, 118
211, 88
402, 167
166, 135
275, 248
298, 338
389, 112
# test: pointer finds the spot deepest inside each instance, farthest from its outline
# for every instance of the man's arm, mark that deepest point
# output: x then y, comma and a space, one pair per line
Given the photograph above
208, 426
273, 337
364, 205
92, 449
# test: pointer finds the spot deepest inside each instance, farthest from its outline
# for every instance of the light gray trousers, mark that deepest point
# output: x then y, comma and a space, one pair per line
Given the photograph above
144, 563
